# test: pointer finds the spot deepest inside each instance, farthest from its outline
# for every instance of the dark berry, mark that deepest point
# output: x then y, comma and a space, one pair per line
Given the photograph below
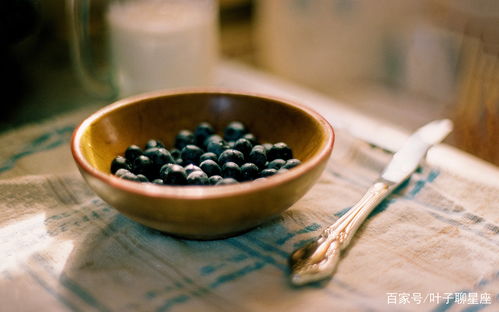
244, 146
227, 181
120, 162
231, 170
249, 171
258, 156
142, 178
163, 171
210, 167
132, 152
212, 138
197, 178
231, 144
159, 156
121, 172
214, 179
291, 163
175, 153
279, 150
183, 138
267, 173
267, 146
217, 147
190, 154
154, 143
251, 137
231, 155
143, 165
208, 155
191, 168
276, 164
202, 132
173, 175
157, 181
129, 176
234, 131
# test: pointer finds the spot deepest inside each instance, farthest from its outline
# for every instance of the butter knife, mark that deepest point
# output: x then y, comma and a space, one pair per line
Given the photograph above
318, 260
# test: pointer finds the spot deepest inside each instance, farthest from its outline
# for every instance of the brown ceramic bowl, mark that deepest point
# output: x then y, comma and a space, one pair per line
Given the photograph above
201, 212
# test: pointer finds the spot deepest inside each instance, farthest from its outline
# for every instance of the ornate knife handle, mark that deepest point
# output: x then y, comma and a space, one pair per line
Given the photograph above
318, 259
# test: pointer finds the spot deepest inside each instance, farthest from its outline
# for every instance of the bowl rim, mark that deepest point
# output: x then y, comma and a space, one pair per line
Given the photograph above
197, 192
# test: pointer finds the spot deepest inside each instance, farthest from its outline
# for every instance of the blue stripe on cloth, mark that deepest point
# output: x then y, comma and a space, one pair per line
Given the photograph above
222, 279
82, 293
286, 236
172, 302
71, 285
43, 142
235, 242
49, 289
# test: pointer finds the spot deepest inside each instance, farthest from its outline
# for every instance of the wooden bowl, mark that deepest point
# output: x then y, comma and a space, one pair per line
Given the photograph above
201, 212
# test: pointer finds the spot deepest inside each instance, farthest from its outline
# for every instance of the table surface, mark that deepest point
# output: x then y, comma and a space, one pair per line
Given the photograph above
372, 128
433, 245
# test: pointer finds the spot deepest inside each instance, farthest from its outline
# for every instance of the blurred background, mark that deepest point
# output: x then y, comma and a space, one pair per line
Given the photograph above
403, 62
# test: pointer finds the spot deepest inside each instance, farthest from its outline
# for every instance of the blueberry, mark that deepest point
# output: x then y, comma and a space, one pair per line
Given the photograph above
291, 163
251, 138
132, 152
120, 162
267, 146
212, 138
231, 170
179, 161
142, 178
197, 178
258, 156
143, 165
267, 173
175, 153
129, 176
190, 154
231, 144
157, 181
208, 155
227, 181
163, 171
210, 167
214, 179
216, 147
183, 138
202, 132
159, 156
231, 155
249, 171
279, 150
191, 168
234, 131
154, 143
173, 174
121, 172
276, 164
244, 146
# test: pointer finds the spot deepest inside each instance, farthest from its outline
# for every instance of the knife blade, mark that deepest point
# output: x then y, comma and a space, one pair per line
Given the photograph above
318, 260
407, 159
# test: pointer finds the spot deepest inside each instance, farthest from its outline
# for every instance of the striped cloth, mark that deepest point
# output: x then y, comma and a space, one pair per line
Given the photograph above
433, 245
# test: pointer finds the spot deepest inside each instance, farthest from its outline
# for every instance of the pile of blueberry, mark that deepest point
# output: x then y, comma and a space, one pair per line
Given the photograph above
202, 157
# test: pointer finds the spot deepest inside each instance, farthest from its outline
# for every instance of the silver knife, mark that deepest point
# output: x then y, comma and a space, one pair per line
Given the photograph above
318, 260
